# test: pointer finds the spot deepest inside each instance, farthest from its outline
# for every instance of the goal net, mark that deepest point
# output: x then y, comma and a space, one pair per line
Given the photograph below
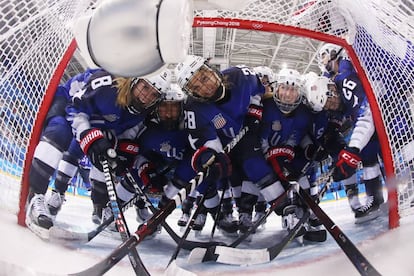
37, 45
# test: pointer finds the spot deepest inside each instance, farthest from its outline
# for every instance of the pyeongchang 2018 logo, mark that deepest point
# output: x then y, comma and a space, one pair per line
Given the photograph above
216, 23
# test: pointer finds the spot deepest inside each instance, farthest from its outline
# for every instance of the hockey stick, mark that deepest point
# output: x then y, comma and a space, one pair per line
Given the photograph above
268, 211
186, 244
246, 256
191, 221
236, 256
216, 217
120, 222
354, 255
123, 249
58, 234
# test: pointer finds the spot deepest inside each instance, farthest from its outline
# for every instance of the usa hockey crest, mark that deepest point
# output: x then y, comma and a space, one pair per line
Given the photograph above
276, 126
165, 147
219, 121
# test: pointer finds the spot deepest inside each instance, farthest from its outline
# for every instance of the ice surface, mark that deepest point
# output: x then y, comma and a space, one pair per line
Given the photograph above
23, 253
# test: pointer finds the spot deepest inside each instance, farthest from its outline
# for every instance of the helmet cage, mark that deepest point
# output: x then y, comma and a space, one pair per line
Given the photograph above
170, 111
148, 96
327, 55
207, 81
292, 79
284, 107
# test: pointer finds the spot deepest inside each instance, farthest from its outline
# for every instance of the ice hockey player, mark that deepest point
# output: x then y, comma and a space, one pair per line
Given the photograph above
218, 105
285, 123
55, 140
363, 143
164, 163
108, 117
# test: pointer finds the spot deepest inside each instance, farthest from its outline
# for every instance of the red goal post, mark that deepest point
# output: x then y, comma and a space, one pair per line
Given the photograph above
36, 43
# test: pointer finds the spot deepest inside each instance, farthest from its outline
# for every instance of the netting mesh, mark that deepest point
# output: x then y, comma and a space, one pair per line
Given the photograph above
35, 34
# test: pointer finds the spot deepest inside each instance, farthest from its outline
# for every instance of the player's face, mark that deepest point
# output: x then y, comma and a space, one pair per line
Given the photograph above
144, 94
330, 65
334, 101
204, 83
288, 94
266, 83
169, 111
265, 80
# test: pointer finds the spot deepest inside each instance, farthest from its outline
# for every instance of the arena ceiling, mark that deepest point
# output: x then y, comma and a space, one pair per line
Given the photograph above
228, 47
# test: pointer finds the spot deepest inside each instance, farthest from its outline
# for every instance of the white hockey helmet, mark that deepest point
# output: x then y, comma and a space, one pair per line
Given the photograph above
174, 94
211, 89
186, 69
317, 92
170, 112
144, 100
161, 81
133, 38
263, 71
327, 53
291, 78
308, 77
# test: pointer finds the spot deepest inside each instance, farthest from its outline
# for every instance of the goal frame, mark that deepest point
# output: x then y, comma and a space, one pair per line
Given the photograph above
235, 23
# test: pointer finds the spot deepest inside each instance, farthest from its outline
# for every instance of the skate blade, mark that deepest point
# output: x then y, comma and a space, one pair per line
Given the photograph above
41, 232
371, 216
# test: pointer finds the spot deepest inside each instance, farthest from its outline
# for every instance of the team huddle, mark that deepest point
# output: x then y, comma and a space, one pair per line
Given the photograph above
166, 128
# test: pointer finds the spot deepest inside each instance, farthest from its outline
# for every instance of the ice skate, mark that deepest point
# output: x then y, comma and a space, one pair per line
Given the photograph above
353, 199
183, 220
54, 202
245, 223
143, 214
38, 219
290, 217
227, 225
97, 214
106, 214
199, 223
258, 216
371, 210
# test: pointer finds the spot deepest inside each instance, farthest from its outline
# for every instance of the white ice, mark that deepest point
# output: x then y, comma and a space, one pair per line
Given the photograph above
389, 251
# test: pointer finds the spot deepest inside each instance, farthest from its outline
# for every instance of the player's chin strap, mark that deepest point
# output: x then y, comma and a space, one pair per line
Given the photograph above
107, 263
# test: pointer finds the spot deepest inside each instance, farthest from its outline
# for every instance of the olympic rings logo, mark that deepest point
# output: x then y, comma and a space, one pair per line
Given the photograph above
257, 25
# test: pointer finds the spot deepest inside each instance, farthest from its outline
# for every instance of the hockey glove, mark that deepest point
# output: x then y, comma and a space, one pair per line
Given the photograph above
348, 160
150, 178
332, 139
127, 151
253, 117
280, 158
315, 153
97, 145
216, 165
